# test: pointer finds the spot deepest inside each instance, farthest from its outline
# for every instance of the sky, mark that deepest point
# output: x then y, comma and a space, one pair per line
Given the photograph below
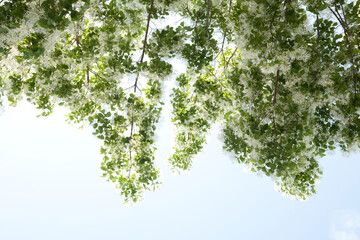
50, 188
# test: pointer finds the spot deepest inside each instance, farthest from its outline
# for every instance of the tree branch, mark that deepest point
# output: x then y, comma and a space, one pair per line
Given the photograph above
286, 2
136, 81
342, 9
317, 29
224, 38
207, 18
87, 76
347, 35
228, 61
196, 22
272, 22
276, 86
274, 102
274, 128
145, 40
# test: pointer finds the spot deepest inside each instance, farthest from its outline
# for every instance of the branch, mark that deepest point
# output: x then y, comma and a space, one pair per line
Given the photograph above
342, 20
350, 50
207, 18
136, 81
187, 9
145, 40
96, 74
272, 22
276, 86
87, 76
196, 23
87, 80
286, 8
223, 42
317, 29
338, 18
342, 9
221, 84
196, 33
274, 127
347, 34
228, 61
274, 102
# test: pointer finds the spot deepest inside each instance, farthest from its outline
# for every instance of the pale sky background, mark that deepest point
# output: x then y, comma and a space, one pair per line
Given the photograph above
50, 189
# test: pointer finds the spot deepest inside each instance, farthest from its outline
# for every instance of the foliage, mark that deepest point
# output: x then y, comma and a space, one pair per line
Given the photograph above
281, 78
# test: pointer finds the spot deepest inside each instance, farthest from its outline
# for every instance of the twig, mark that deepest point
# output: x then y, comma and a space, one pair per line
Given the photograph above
221, 84
97, 75
342, 9
228, 61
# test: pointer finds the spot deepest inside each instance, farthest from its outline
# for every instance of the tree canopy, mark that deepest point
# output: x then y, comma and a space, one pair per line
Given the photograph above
280, 77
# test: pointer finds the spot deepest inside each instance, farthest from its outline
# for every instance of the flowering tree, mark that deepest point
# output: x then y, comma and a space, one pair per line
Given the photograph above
281, 78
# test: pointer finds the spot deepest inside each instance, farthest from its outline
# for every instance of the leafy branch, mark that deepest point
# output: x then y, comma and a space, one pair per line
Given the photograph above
136, 81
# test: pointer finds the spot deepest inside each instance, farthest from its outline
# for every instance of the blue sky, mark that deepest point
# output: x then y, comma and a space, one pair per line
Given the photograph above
50, 188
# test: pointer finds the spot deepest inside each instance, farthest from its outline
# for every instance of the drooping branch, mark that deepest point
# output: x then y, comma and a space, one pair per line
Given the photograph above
137, 78
144, 44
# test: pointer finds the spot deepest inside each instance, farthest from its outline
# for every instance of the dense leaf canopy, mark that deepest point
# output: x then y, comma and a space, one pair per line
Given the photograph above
280, 77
